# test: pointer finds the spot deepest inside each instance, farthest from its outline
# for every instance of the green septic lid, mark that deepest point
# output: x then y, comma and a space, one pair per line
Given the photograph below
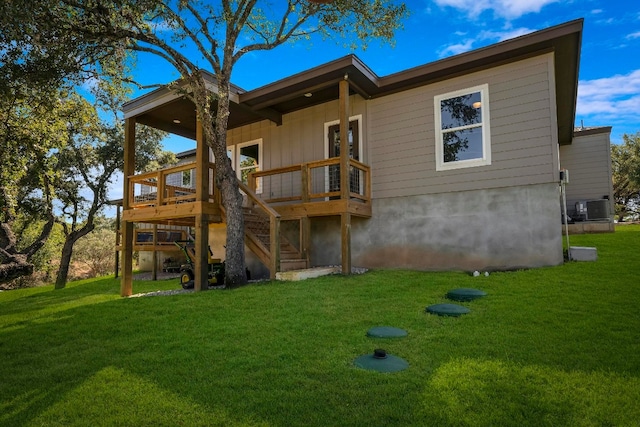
386, 332
381, 361
465, 294
454, 310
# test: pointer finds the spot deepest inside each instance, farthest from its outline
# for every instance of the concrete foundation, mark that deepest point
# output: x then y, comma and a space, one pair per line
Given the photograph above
495, 229
591, 227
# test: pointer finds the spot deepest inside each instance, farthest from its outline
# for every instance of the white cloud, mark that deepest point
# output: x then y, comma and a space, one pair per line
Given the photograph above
457, 48
596, 11
483, 36
606, 21
614, 98
504, 35
510, 9
633, 35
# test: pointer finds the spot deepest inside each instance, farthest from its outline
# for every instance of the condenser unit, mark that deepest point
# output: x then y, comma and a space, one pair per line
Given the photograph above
597, 209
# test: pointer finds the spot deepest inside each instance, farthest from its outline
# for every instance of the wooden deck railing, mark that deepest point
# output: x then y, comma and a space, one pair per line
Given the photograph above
311, 182
166, 186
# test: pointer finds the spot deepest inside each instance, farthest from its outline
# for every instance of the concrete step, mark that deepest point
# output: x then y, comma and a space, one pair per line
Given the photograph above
307, 273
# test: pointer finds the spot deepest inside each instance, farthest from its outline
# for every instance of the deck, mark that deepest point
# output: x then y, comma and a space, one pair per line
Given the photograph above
309, 189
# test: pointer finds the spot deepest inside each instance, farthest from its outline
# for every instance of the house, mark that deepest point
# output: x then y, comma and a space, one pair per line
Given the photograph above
450, 165
589, 192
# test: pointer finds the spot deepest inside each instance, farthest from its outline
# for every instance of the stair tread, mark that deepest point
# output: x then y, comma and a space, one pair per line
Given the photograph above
258, 224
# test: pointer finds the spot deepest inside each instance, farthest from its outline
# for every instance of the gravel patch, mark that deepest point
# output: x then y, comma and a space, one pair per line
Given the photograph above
147, 275
354, 270
172, 292
165, 276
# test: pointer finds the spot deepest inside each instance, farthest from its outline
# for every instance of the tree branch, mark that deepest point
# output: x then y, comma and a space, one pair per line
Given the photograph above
212, 56
280, 38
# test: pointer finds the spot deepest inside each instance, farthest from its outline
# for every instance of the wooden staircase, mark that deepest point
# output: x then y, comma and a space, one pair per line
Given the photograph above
258, 233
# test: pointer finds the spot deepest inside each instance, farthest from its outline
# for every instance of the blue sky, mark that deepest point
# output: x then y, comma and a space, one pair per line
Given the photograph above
609, 87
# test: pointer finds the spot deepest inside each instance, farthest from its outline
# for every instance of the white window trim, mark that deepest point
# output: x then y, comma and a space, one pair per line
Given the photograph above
441, 165
235, 160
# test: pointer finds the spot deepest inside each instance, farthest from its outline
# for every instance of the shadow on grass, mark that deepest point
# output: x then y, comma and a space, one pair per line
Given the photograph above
469, 392
114, 396
95, 364
46, 304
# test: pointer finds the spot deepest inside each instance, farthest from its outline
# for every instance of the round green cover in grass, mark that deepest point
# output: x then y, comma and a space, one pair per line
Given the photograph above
387, 363
465, 294
386, 332
454, 310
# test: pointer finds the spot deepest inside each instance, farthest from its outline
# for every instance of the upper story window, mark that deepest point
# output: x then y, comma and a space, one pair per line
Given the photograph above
462, 128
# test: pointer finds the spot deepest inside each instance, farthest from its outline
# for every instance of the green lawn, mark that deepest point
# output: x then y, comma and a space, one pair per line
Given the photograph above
553, 346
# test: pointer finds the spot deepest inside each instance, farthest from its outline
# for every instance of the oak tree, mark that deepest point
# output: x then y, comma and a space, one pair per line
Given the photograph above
196, 35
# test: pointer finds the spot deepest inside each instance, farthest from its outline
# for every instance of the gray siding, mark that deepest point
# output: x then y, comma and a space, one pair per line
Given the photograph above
588, 160
300, 138
401, 136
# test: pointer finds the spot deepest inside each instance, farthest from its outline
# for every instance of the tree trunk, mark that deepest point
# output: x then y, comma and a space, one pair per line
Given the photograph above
65, 262
67, 253
215, 131
235, 272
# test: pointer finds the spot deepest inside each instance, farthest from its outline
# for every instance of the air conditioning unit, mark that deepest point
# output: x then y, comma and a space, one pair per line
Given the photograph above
598, 209
580, 213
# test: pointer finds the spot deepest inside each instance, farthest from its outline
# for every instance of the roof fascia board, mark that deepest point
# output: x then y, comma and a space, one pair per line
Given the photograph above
311, 76
592, 131
484, 55
149, 102
449, 73
508, 51
170, 92
293, 94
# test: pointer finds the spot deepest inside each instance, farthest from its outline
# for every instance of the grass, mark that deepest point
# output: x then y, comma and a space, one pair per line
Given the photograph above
553, 346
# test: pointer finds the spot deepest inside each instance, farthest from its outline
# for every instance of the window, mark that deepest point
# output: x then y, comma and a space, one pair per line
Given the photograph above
187, 178
249, 159
462, 128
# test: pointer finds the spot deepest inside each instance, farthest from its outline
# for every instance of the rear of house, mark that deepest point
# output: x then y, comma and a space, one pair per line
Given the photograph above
590, 201
452, 165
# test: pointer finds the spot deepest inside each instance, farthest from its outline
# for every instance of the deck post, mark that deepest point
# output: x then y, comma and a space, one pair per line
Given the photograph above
305, 223
118, 226
344, 138
201, 263
126, 284
345, 226
305, 238
274, 246
154, 254
345, 217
